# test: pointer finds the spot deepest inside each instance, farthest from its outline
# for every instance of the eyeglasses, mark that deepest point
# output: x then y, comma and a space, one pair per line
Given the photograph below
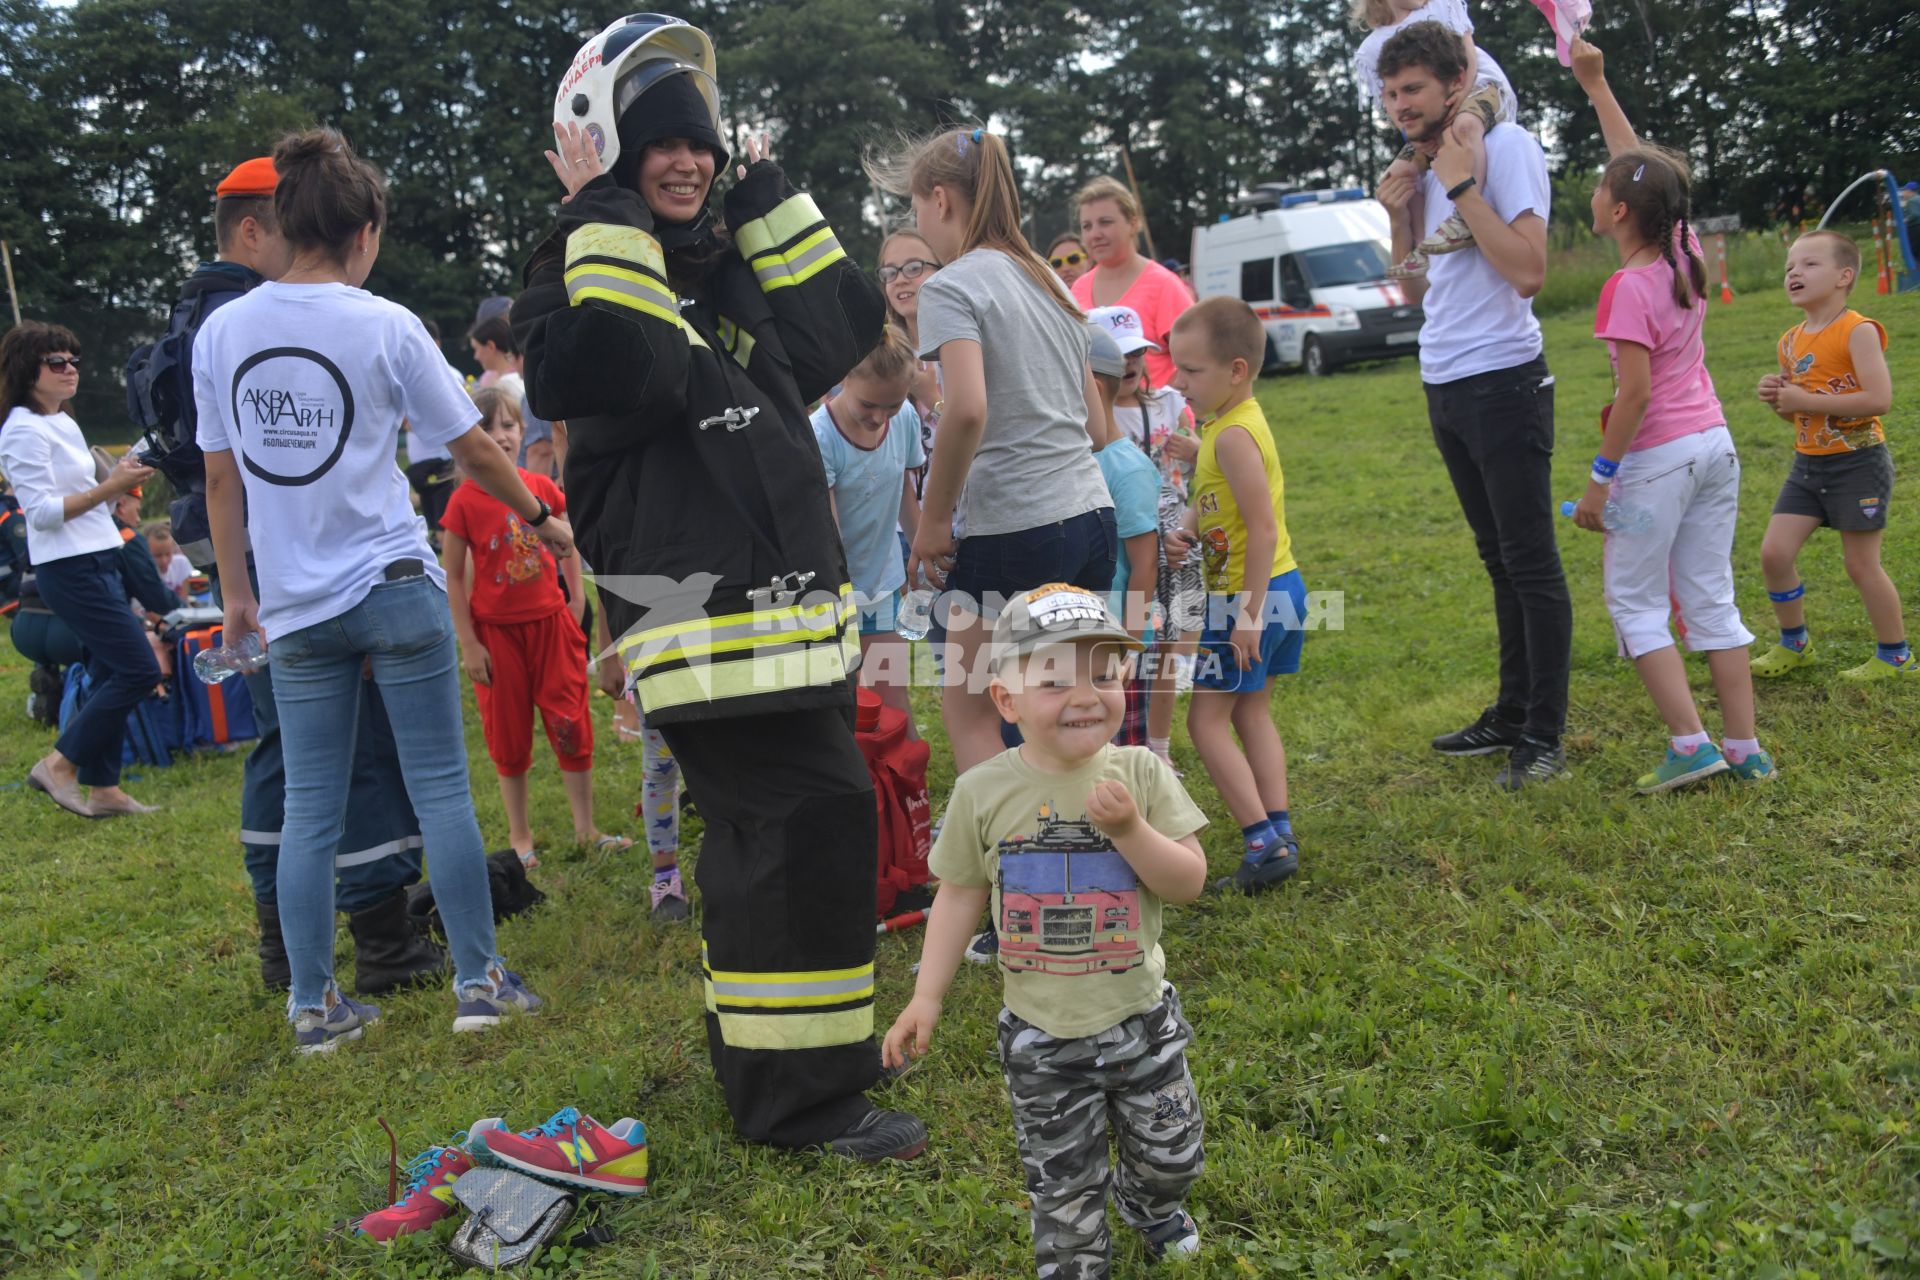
912, 269
1071, 260
60, 364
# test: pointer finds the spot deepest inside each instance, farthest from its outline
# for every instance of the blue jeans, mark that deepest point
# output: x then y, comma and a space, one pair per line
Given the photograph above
88, 594
405, 628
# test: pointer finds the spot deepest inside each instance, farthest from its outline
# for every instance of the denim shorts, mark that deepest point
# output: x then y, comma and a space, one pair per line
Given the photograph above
1281, 640
1847, 491
990, 568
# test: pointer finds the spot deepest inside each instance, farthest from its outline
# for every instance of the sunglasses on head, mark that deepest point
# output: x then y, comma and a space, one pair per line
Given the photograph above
59, 364
912, 269
1070, 260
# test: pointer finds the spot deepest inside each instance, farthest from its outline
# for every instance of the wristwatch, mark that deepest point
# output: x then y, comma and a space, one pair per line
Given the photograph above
539, 517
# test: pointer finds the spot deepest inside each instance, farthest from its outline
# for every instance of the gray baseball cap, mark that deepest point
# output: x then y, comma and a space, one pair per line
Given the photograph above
1103, 353
1049, 614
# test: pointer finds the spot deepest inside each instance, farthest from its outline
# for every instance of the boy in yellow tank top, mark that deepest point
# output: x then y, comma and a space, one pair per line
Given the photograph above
1256, 602
1833, 385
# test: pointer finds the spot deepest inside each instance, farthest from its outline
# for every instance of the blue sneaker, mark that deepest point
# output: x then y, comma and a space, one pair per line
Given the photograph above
1174, 1240
985, 948
1677, 770
1757, 767
320, 1030
488, 1006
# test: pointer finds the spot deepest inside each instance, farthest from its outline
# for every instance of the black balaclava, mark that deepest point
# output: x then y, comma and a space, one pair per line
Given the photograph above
674, 108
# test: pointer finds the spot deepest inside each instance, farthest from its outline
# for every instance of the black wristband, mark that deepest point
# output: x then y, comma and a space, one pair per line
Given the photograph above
1455, 193
539, 517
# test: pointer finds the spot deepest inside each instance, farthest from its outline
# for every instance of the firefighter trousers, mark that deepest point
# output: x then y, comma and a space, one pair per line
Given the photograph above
786, 880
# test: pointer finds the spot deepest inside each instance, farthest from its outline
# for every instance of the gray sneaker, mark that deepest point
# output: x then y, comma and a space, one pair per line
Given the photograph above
1531, 762
880, 1135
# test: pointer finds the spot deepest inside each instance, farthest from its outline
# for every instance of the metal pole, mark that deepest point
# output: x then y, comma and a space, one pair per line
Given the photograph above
13, 295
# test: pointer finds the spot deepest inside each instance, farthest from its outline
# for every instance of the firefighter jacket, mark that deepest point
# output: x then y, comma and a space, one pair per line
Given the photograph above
692, 474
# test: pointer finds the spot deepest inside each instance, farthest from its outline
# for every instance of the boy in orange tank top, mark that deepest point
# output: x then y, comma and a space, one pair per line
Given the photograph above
1833, 385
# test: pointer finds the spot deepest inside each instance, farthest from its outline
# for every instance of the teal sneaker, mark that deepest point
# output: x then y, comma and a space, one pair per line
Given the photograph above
1678, 770
1757, 767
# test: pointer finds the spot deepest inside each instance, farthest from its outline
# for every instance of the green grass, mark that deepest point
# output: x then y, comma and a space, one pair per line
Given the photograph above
1568, 1033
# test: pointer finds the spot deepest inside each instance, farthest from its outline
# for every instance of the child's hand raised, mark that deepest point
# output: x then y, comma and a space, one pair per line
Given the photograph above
910, 1032
1589, 64
1110, 807
1770, 388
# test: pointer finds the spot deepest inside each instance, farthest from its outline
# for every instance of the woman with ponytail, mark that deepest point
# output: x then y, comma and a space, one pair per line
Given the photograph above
1012, 460
302, 385
1667, 466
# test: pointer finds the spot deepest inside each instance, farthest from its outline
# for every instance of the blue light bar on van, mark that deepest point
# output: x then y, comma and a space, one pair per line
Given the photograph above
1299, 198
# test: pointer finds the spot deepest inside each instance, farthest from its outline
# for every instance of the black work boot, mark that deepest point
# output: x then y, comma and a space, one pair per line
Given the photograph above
388, 953
275, 973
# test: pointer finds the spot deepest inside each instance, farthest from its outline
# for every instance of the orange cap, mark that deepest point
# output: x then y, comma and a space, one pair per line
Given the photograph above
255, 177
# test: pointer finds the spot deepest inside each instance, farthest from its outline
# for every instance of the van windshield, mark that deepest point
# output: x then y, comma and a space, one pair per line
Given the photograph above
1358, 262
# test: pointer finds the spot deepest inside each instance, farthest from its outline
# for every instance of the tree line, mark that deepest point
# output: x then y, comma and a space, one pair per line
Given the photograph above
118, 116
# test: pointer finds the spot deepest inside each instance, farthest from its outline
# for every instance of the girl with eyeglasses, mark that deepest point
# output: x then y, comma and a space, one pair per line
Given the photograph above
1122, 276
1068, 258
906, 263
75, 550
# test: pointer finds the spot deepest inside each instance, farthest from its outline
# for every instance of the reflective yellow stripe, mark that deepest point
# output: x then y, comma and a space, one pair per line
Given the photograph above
608, 240
788, 219
623, 297
791, 990
782, 622
806, 260
737, 341
639, 284
740, 677
796, 1030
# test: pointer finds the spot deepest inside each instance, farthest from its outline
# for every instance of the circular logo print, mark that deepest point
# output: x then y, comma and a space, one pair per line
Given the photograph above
599, 137
294, 410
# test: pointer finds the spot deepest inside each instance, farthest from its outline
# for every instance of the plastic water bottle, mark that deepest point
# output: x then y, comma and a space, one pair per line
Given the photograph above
215, 665
915, 618
1618, 517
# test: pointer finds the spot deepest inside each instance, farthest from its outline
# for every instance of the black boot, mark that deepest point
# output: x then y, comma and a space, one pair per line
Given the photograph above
387, 952
275, 973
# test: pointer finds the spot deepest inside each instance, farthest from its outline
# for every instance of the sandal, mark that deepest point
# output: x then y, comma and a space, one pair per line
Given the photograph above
1450, 236
612, 844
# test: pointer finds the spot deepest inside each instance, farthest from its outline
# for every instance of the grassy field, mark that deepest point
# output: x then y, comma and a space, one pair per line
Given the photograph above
1566, 1033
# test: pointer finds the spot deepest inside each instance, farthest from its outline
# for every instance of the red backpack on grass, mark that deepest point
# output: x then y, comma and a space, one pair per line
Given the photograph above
898, 766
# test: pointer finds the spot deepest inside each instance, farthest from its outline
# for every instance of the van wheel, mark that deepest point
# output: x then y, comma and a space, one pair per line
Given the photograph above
1313, 358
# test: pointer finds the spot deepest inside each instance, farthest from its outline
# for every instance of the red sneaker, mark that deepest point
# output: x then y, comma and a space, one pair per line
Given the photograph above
429, 1194
575, 1151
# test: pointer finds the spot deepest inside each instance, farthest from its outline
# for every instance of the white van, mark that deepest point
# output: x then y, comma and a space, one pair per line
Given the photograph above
1313, 266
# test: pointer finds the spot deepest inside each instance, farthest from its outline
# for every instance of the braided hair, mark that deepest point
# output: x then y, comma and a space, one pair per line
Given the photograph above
1655, 185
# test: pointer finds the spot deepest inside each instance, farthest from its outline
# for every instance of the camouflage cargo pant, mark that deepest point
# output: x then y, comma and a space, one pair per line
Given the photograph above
1065, 1094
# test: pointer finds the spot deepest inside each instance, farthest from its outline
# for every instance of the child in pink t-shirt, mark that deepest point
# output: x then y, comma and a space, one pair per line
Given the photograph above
1665, 486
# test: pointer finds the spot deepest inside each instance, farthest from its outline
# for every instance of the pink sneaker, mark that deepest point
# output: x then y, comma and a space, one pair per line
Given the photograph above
429, 1194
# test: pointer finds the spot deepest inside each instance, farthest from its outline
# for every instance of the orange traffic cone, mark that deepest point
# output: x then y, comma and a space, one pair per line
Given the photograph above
1880, 238
1726, 290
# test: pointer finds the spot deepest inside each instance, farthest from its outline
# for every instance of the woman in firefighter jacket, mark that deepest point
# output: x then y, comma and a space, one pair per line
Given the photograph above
683, 357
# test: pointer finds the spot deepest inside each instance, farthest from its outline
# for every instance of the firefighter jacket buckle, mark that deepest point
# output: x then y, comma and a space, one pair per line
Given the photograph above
780, 592
734, 419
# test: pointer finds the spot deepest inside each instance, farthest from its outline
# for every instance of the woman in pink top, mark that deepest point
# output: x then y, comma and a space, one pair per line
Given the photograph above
1122, 277
1665, 486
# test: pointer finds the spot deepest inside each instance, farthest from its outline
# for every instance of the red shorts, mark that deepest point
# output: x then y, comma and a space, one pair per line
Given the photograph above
536, 664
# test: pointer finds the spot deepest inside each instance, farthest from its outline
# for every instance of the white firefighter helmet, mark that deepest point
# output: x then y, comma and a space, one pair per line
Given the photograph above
624, 61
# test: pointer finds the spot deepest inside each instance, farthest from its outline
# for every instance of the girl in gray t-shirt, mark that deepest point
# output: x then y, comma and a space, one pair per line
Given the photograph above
1012, 457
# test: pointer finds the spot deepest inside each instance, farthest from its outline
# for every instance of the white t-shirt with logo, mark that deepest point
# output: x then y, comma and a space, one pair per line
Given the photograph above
1475, 322
307, 385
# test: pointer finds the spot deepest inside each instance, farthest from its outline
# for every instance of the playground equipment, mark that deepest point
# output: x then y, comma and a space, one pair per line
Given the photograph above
1910, 276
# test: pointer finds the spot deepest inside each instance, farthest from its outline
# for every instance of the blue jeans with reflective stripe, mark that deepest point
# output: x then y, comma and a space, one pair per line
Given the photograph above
405, 629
